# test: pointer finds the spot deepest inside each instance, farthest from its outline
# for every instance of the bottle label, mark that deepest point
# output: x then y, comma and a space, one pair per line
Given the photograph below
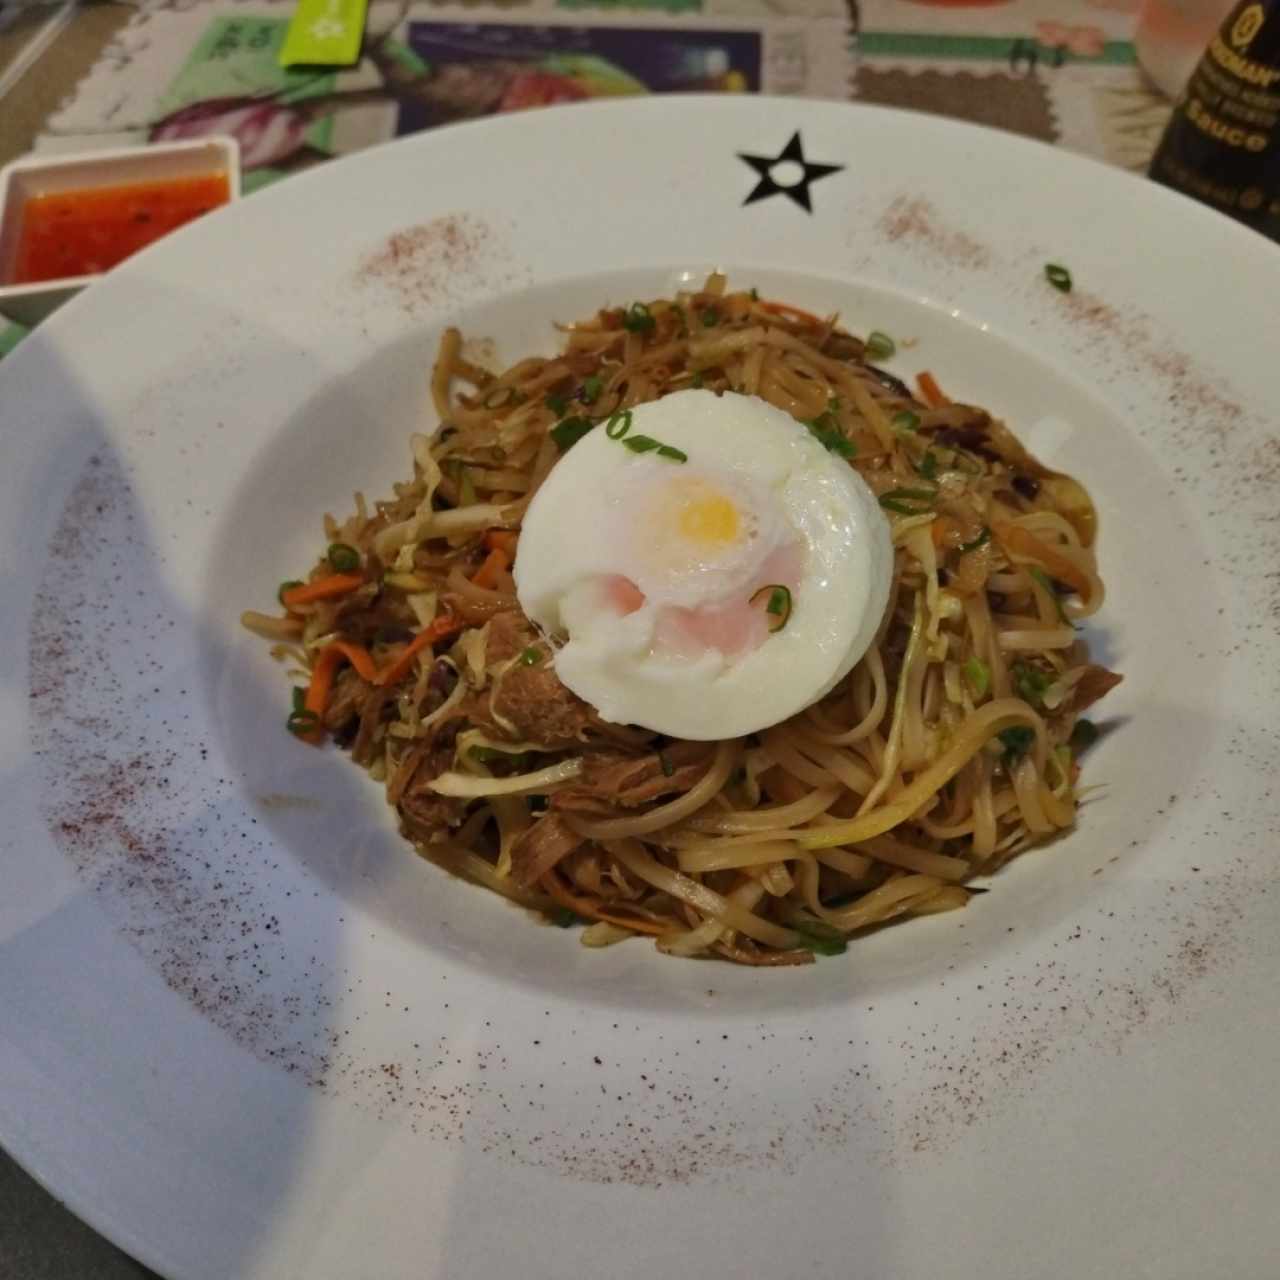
1223, 143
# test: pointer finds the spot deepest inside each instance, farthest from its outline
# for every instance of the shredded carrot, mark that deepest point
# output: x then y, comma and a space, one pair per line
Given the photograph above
930, 390
330, 658
400, 666
359, 657
323, 671
1025, 543
781, 309
939, 530
501, 540
487, 575
585, 907
336, 584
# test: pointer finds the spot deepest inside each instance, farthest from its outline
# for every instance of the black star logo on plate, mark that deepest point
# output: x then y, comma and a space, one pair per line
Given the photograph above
798, 188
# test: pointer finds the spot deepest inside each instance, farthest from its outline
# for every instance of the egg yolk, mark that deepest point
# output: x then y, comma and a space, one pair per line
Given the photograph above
690, 521
710, 519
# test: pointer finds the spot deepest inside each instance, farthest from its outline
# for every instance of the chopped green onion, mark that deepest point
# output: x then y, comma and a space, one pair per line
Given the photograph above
286, 586
819, 937
302, 722
1058, 276
710, 318
879, 346
466, 488
668, 767
978, 675
696, 381
826, 431
530, 657
928, 465
1029, 682
1017, 741
900, 500
299, 698
637, 318
343, 557
567, 433
563, 918
591, 389
1083, 735
777, 606
640, 444
755, 294
1044, 580
980, 541
618, 425
557, 403
905, 420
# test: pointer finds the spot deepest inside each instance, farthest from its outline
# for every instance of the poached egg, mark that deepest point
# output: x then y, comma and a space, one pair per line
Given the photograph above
663, 575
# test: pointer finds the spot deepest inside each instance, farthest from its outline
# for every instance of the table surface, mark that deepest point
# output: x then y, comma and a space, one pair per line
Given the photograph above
1060, 70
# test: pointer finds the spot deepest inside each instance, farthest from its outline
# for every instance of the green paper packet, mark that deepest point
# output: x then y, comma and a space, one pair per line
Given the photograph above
324, 33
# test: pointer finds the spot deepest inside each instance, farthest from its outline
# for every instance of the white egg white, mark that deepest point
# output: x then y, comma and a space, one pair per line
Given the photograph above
592, 520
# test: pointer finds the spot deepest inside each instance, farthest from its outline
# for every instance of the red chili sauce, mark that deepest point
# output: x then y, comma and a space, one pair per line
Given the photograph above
80, 233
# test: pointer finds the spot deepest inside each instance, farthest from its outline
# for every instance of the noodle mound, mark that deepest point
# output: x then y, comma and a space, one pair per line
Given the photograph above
950, 747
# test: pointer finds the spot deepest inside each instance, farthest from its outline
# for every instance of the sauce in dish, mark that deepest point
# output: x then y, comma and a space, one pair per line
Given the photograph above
83, 232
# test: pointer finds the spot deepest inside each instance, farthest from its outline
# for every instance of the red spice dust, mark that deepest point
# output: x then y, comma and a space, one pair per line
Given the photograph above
423, 266
1191, 390
915, 220
127, 794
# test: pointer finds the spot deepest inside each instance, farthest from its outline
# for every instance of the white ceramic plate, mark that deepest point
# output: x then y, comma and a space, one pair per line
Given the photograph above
246, 1033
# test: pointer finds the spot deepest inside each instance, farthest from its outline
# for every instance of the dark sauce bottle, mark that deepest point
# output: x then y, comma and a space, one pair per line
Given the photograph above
1222, 145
